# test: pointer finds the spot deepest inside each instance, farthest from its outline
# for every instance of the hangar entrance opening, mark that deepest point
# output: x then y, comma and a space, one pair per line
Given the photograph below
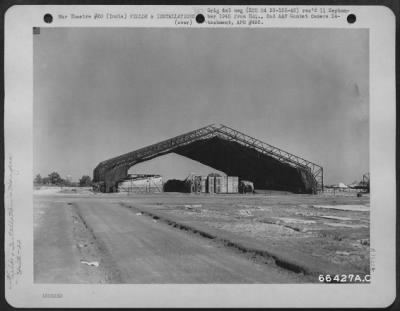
173, 166
227, 150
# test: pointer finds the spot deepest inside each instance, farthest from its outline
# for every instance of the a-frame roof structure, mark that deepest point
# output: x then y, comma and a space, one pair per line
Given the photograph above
214, 130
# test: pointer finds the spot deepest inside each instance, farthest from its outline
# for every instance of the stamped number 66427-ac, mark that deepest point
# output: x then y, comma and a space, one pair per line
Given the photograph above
344, 278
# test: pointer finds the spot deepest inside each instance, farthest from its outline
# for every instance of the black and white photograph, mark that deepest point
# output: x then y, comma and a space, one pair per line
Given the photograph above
201, 155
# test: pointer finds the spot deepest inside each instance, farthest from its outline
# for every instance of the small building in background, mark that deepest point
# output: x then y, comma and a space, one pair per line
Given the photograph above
141, 183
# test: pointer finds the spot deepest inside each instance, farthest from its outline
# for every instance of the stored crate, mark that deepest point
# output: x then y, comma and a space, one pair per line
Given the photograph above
210, 184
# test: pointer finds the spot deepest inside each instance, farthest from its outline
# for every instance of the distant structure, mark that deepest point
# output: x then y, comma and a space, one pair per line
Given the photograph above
365, 181
141, 183
226, 150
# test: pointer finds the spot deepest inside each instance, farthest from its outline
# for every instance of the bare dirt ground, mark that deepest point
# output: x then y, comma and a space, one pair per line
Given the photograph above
334, 228
326, 232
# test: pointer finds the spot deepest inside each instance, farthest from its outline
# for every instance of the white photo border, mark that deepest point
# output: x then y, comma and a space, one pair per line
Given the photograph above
21, 291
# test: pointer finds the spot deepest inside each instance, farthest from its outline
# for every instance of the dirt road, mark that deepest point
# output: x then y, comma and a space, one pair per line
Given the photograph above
90, 240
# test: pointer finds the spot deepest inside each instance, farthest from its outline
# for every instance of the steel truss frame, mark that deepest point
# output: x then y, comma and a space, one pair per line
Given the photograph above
366, 181
206, 132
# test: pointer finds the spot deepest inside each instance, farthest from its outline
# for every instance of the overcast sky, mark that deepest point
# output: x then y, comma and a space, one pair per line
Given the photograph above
99, 93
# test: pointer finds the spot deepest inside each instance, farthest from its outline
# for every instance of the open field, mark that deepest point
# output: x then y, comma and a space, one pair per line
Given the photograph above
270, 237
